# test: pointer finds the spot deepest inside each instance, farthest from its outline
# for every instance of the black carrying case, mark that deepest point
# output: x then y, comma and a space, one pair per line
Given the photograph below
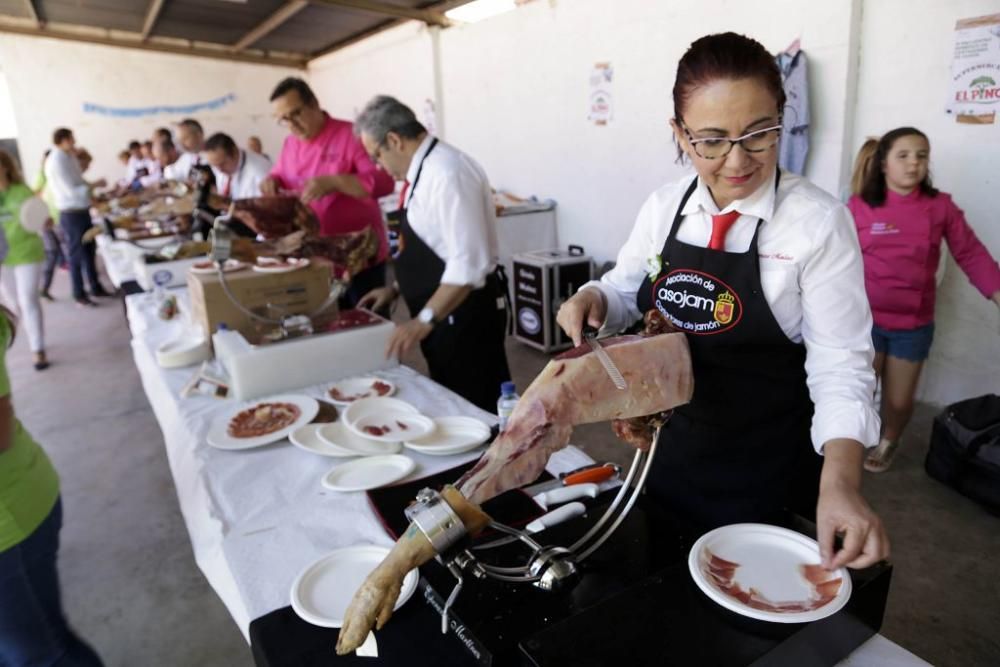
965, 450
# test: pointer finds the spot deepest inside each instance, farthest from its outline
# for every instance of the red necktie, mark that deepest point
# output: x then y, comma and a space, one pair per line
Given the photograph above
402, 193
721, 225
225, 190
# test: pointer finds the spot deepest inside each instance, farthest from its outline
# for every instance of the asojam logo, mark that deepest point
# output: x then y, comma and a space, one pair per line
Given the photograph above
696, 302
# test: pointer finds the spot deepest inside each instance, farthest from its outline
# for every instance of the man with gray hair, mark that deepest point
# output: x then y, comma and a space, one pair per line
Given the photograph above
447, 270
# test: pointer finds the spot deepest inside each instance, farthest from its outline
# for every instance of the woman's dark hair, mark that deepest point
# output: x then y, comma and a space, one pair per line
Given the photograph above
724, 56
874, 189
11, 322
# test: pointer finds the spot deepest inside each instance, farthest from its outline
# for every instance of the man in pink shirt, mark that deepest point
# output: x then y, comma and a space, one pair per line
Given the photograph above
327, 166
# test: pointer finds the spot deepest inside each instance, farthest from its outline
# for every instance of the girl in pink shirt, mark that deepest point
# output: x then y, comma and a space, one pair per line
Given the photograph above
901, 220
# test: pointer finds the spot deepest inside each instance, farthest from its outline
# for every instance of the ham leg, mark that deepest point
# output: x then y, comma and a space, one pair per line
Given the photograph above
572, 389
575, 389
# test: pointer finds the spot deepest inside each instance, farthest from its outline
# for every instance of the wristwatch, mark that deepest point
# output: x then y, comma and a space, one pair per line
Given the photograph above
427, 316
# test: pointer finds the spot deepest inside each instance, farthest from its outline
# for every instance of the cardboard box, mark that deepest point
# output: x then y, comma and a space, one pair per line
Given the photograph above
295, 292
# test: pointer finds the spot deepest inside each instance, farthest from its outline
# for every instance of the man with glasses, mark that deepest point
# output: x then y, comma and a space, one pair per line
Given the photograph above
447, 269
327, 167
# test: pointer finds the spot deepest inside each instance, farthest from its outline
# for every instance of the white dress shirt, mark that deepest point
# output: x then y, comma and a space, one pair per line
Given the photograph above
65, 180
811, 274
179, 170
245, 182
134, 165
451, 210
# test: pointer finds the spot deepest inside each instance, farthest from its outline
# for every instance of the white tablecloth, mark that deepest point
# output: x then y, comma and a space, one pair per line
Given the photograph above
118, 258
257, 517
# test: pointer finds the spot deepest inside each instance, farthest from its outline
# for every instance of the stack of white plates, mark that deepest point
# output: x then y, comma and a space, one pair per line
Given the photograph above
453, 435
387, 420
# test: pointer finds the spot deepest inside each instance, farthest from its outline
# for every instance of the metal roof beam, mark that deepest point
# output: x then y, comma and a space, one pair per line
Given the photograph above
152, 13
271, 23
382, 9
220, 53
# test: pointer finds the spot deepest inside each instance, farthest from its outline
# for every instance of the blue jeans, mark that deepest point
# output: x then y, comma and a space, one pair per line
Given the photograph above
33, 629
81, 257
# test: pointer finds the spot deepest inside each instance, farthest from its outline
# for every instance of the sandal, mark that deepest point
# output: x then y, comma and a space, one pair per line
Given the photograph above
881, 457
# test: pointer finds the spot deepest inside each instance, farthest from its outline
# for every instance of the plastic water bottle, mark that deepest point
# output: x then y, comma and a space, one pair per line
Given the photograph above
506, 402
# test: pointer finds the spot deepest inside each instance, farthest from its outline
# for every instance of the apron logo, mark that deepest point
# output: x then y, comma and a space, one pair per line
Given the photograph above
697, 302
724, 307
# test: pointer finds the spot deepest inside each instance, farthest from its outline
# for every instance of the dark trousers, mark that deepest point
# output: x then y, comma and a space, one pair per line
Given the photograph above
54, 256
465, 352
81, 259
363, 283
33, 629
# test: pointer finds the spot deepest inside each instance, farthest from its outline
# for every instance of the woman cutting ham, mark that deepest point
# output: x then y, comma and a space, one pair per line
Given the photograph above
762, 271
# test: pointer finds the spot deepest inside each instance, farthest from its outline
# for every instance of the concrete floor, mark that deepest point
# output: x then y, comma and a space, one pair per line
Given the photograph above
131, 586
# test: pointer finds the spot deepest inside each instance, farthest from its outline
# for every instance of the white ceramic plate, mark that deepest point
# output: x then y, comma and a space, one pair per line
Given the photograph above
273, 266
336, 437
769, 561
377, 412
368, 473
323, 590
355, 389
307, 439
453, 435
230, 266
393, 427
34, 213
219, 437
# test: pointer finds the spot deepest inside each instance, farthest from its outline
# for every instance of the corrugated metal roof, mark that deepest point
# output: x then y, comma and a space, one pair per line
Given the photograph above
279, 31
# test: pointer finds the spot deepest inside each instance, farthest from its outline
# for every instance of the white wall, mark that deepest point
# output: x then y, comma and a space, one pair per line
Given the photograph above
515, 91
397, 62
905, 69
50, 80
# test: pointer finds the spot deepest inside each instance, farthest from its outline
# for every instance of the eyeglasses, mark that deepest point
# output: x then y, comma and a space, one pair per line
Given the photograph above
291, 117
713, 148
376, 154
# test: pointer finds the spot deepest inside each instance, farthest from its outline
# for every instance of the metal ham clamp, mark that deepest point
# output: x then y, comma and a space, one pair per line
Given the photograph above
548, 567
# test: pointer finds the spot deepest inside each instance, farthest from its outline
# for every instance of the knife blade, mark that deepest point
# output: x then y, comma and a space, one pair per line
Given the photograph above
590, 335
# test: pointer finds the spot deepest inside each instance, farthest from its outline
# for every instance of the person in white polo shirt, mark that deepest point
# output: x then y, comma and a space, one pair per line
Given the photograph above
238, 173
72, 197
191, 138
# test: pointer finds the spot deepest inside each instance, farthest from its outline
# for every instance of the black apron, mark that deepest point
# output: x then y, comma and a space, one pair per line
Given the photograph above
741, 449
465, 351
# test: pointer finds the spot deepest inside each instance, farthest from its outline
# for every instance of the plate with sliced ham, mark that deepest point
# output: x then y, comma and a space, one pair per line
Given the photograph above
767, 573
275, 265
347, 391
261, 422
207, 266
386, 420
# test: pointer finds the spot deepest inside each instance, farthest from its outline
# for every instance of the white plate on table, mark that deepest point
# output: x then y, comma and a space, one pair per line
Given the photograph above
321, 593
218, 435
337, 437
277, 266
769, 560
368, 473
453, 435
401, 418
355, 389
307, 439
208, 267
